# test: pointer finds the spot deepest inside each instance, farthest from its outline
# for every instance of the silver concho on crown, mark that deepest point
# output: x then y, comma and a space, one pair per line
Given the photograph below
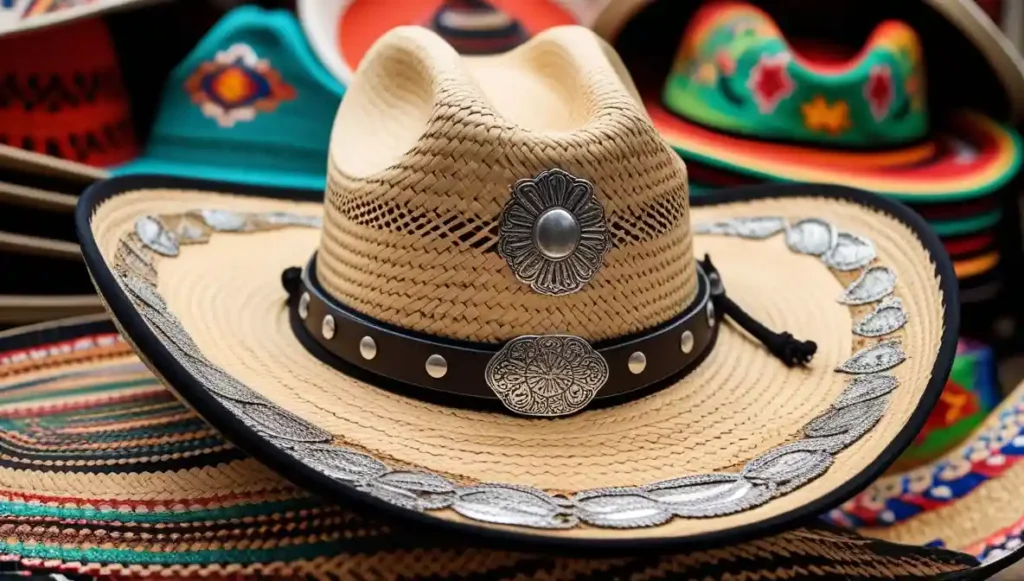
549, 375
553, 233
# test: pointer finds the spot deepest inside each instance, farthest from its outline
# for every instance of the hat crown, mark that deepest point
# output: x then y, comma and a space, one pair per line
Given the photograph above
735, 71
426, 151
246, 98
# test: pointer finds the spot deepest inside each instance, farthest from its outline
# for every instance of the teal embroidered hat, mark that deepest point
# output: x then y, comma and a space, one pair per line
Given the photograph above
250, 104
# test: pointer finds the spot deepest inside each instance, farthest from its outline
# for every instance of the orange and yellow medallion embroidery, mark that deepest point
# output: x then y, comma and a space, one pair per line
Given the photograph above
236, 85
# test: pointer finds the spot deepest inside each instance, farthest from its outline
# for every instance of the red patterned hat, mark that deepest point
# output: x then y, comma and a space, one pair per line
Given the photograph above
64, 97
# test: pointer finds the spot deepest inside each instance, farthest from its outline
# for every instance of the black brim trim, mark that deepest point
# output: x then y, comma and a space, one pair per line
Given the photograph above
174, 374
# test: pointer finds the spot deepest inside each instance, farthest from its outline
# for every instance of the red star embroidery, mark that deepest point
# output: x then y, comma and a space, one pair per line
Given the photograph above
770, 82
878, 91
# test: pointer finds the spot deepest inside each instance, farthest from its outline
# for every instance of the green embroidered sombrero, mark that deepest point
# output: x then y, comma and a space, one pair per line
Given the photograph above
742, 97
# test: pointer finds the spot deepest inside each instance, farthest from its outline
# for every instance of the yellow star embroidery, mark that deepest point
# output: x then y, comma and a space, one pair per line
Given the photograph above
957, 402
820, 116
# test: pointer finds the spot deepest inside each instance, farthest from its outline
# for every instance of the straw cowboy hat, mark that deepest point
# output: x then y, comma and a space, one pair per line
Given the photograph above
164, 495
507, 317
341, 31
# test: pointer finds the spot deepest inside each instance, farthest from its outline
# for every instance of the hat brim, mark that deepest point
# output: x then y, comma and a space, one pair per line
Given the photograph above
187, 503
927, 172
341, 31
27, 309
968, 497
226, 296
251, 176
45, 167
37, 15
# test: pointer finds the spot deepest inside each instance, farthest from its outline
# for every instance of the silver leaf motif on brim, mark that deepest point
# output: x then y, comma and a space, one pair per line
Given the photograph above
218, 381
340, 463
811, 236
757, 228
710, 495
887, 318
417, 490
865, 387
858, 417
223, 220
514, 505
874, 284
279, 423
621, 508
155, 236
850, 252
789, 466
875, 358
231, 221
187, 228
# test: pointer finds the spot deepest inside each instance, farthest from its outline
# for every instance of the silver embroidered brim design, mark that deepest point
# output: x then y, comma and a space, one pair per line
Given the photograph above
754, 228
165, 234
888, 317
864, 401
553, 233
551, 375
769, 475
811, 236
874, 284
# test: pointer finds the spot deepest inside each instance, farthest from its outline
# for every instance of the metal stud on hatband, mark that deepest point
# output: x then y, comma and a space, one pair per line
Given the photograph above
327, 327
711, 314
436, 366
304, 306
637, 363
686, 342
367, 347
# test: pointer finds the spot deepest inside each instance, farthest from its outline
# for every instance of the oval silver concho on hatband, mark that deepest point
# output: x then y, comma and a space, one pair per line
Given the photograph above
549, 375
553, 233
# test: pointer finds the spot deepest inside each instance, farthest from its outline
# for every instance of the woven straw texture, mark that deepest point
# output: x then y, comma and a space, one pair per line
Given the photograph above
740, 402
103, 472
425, 148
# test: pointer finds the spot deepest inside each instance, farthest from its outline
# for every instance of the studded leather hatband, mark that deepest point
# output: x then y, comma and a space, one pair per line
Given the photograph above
538, 375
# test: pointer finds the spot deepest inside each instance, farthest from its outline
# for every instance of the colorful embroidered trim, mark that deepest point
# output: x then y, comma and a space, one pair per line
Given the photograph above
102, 146
53, 92
40, 7
897, 498
236, 85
